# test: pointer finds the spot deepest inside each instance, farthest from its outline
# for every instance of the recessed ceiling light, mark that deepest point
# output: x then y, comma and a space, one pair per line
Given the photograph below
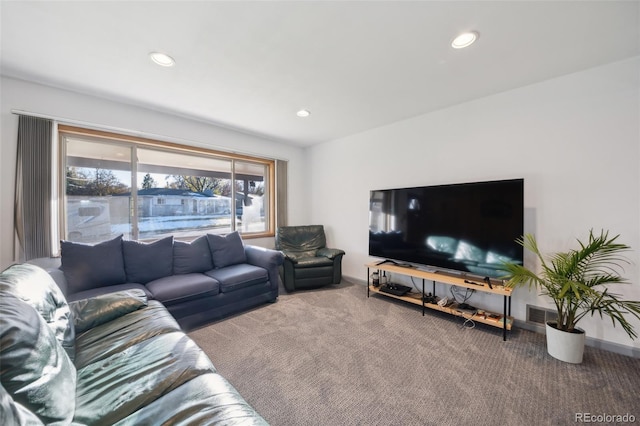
162, 59
303, 113
464, 40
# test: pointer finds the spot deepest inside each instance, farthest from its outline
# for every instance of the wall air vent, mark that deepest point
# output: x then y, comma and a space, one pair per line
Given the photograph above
537, 315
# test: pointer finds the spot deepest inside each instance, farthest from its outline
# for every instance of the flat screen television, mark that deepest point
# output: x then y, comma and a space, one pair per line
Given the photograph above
467, 228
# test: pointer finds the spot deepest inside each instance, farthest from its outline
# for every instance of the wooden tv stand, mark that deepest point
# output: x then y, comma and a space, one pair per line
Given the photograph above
489, 318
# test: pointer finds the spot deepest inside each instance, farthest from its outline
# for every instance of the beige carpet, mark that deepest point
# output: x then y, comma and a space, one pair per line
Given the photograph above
335, 357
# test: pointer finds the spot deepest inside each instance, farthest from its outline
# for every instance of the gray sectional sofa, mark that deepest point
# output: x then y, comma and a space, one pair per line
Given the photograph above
112, 359
200, 281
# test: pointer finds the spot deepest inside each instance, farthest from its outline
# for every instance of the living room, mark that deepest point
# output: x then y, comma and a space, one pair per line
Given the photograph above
574, 137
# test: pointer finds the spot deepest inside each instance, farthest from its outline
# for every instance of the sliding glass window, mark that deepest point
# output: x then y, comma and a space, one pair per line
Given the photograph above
147, 190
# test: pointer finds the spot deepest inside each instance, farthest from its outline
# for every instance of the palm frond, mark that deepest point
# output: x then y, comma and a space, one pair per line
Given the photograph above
572, 280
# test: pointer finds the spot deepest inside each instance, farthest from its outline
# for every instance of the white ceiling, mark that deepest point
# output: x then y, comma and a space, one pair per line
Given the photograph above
355, 65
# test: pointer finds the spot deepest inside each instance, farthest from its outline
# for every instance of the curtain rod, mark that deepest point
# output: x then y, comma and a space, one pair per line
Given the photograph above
77, 122
137, 133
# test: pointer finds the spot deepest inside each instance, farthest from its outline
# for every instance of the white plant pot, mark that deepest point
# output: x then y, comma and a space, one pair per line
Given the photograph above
565, 346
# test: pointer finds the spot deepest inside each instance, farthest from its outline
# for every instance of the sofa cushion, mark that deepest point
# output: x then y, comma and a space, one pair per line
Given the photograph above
137, 377
36, 371
226, 250
194, 256
208, 399
144, 262
15, 414
118, 336
239, 276
180, 288
95, 292
88, 266
37, 288
89, 313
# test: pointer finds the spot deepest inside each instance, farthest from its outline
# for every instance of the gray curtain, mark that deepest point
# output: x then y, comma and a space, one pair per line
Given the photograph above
281, 193
33, 188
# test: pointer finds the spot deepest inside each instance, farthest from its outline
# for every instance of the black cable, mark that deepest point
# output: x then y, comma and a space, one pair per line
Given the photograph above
468, 292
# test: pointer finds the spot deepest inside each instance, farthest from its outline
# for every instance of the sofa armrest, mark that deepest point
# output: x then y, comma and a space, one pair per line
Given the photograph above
291, 259
265, 258
89, 313
330, 253
14, 413
52, 266
59, 278
336, 256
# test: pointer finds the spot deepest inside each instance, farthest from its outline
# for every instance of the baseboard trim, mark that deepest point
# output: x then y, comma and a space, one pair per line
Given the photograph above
589, 341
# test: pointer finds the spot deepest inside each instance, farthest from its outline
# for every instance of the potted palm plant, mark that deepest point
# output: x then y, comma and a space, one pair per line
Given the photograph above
576, 281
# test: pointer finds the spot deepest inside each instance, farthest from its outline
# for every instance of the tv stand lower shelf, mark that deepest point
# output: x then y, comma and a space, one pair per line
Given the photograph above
489, 318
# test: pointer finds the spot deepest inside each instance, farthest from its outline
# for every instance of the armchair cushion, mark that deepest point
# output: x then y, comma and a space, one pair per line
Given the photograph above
311, 262
295, 256
300, 238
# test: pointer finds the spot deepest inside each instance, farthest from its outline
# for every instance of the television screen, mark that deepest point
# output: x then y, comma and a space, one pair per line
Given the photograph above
468, 228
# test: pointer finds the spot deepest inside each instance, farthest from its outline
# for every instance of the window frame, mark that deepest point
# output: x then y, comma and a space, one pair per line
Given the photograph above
136, 142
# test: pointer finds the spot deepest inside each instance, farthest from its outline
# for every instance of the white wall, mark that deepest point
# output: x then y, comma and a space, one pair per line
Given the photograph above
575, 140
20, 95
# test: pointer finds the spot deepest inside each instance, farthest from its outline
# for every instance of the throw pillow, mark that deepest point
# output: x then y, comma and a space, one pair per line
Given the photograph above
144, 262
37, 288
227, 250
36, 371
92, 312
192, 257
87, 266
